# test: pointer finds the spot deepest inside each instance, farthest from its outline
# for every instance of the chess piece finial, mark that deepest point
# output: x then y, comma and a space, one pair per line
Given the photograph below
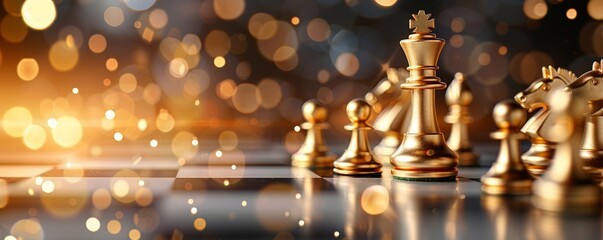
313, 152
421, 23
566, 187
508, 175
458, 98
358, 158
391, 105
423, 154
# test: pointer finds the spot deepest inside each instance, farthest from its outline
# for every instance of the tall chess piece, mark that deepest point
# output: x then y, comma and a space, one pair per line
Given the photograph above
508, 175
423, 154
313, 153
566, 187
538, 158
358, 158
459, 98
391, 103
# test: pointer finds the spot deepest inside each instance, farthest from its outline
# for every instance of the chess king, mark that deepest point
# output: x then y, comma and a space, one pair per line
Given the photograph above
423, 154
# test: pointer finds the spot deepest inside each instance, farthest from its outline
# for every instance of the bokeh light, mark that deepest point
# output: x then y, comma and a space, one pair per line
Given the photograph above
68, 131
15, 120
38, 14
27, 69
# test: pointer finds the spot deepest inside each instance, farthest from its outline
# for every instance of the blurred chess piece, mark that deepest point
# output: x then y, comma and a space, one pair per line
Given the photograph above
459, 98
589, 85
508, 175
391, 103
313, 153
538, 158
423, 154
566, 187
358, 158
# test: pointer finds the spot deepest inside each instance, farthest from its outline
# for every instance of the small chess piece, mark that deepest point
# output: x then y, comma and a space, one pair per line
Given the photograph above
566, 186
508, 175
391, 103
313, 152
458, 98
358, 159
423, 154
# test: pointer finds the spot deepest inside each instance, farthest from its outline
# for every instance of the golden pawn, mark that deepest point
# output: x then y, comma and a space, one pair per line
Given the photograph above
565, 186
458, 98
423, 154
313, 153
358, 158
508, 175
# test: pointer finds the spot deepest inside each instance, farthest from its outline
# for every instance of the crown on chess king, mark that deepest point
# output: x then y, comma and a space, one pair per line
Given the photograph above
422, 50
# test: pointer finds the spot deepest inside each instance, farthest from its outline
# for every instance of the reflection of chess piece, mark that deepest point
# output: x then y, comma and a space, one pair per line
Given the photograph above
423, 207
508, 175
391, 103
423, 154
507, 215
566, 186
368, 214
358, 158
458, 98
314, 152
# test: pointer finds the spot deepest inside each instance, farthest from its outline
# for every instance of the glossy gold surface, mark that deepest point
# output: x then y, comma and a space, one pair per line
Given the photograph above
314, 152
459, 98
358, 159
533, 99
508, 175
566, 187
423, 154
391, 103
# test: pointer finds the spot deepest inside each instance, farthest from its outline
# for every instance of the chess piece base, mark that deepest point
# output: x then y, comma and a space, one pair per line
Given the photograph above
312, 160
352, 163
467, 158
424, 156
499, 185
388, 145
593, 163
580, 198
538, 158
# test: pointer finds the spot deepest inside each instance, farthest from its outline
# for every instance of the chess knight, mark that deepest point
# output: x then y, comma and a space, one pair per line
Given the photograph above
391, 103
423, 154
538, 158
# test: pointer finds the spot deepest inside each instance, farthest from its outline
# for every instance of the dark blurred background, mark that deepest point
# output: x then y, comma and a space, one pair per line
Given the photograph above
138, 71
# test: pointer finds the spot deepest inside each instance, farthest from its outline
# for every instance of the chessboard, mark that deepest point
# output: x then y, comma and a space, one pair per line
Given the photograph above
123, 195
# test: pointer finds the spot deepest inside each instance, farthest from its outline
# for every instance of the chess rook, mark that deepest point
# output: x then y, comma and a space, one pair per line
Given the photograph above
313, 152
459, 98
423, 154
358, 159
508, 175
566, 186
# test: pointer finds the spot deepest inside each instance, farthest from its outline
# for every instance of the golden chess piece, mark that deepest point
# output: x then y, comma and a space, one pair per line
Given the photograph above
566, 186
391, 103
313, 152
358, 159
508, 175
458, 98
423, 154
591, 149
538, 158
